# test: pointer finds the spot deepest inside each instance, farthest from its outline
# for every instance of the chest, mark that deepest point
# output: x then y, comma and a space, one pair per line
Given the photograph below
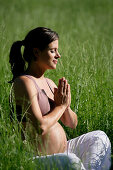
49, 91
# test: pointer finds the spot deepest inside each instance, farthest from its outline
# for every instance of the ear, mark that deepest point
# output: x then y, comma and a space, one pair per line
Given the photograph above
35, 52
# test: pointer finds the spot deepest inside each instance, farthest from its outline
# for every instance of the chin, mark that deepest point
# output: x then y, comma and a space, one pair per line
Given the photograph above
52, 67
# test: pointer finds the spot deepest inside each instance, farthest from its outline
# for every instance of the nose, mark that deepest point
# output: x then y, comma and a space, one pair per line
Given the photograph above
58, 55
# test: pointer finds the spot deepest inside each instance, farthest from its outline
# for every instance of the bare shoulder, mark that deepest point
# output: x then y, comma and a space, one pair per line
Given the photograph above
52, 83
23, 82
23, 86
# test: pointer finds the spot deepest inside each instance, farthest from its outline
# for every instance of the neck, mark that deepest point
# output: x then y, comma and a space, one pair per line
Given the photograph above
35, 70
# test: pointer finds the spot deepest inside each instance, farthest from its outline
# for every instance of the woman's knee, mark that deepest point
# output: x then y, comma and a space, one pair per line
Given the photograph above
97, 139
102, 138
98, 149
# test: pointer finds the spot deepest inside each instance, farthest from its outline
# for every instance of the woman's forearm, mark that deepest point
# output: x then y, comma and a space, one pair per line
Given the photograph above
69, 118
50, 119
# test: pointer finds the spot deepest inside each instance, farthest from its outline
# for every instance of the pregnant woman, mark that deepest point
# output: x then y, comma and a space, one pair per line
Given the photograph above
40, 104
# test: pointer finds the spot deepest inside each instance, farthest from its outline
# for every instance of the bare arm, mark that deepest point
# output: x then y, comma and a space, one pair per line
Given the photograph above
69, 118
24, 88
53, 117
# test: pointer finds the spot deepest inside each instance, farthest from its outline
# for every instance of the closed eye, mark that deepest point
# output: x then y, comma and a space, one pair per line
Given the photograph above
52, 51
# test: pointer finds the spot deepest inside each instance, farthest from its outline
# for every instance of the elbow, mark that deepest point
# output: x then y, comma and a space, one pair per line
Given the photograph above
74, 124
44, 127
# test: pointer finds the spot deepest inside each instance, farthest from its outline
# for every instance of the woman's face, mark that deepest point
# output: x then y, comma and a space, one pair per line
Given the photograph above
48, 57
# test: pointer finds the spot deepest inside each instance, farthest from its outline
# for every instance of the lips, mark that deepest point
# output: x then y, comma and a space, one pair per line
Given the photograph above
55, 61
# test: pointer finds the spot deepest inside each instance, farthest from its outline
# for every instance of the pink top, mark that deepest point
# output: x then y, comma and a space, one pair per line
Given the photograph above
45, 103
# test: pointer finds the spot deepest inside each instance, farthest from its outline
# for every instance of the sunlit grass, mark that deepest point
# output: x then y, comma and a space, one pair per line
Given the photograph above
86, 47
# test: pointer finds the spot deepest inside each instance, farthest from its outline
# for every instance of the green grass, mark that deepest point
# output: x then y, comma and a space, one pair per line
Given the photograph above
86, 45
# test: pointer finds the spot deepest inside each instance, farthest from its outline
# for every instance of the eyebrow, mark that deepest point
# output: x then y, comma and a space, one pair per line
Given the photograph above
52, 48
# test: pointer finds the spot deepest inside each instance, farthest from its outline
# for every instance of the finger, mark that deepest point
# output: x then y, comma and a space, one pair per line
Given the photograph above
61, 85
63, 78
55, 90
65, 87
60, 81
69, 87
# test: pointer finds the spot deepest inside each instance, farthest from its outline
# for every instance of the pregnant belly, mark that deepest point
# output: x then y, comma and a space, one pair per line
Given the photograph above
54, 141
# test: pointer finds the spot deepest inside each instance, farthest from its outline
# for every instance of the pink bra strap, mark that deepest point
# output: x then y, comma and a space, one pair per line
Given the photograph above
36, 85
49, 85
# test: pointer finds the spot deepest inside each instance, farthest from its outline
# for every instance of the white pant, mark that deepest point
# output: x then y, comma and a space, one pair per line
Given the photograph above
90, 151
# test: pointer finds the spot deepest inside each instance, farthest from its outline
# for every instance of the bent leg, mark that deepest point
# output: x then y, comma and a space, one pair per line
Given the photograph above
94, 150
59, 161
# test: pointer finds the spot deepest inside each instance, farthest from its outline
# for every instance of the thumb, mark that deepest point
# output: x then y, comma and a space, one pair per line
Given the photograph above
55, 90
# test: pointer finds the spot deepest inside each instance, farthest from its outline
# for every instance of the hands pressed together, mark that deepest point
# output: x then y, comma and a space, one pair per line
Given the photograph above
62, 94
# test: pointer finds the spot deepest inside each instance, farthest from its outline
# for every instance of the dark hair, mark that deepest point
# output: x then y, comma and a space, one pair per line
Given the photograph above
39, 37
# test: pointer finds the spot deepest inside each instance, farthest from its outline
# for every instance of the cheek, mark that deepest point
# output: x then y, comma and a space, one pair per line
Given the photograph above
46, 57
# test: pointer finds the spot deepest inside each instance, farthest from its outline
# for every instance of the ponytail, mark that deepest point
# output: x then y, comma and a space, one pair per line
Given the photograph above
16, 60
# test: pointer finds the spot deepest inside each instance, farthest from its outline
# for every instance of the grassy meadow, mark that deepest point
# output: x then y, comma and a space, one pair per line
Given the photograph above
85, 28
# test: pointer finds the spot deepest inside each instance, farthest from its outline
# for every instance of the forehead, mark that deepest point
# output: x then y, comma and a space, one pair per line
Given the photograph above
53, 44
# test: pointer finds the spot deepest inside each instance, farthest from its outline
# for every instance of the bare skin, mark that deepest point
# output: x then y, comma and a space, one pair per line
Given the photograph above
52, 136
